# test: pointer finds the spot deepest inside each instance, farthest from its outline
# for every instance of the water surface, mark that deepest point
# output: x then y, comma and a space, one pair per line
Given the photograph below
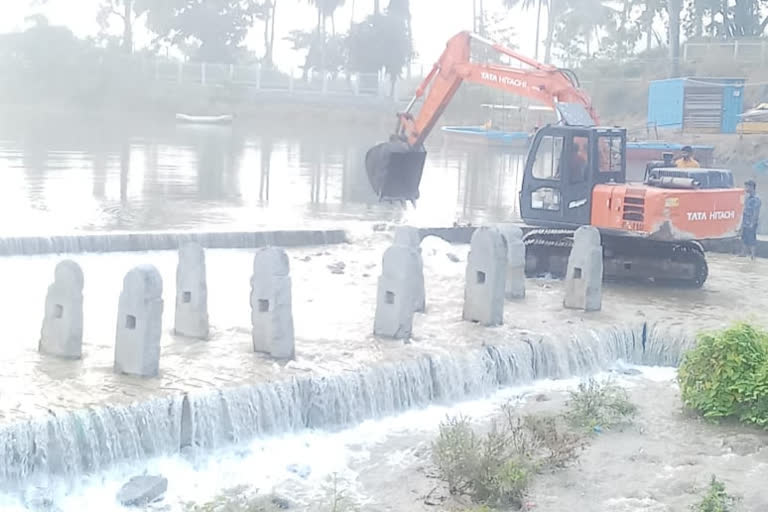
63, 174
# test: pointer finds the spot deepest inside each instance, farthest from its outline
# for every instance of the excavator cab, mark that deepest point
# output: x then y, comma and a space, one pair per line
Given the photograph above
563, 166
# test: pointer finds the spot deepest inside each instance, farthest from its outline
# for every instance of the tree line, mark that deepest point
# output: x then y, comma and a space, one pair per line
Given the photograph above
215, 31
577, 30
574, 31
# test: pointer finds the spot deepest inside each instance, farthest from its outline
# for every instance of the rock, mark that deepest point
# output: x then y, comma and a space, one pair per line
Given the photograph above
141, 490
379, 227
453, 257
301, 470
631, 371
337, 267
40, 499
281, 503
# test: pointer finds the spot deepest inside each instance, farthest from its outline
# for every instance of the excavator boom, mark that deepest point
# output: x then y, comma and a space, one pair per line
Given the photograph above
395, 167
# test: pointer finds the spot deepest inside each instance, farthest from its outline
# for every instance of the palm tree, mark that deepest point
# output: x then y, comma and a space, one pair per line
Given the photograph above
675, 7
652, 8
527, 5
269, 31
586, 17
326, 9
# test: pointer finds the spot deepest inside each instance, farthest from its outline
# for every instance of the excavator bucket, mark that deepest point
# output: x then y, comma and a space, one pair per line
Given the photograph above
394, 170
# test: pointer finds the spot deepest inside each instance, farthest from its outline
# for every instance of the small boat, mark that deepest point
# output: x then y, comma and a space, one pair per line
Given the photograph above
502, 127
190, 119
489, 135
754, 121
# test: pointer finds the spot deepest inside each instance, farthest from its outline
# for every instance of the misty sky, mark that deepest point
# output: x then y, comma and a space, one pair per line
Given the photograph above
434, 21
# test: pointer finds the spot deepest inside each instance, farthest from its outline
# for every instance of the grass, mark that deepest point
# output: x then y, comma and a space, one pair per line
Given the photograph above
495, 468
597, 406
716, 499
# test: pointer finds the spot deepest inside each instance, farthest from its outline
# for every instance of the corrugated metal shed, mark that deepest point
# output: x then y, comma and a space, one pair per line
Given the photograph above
693, 104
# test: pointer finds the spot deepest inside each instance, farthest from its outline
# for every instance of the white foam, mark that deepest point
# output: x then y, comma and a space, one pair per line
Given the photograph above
264, 464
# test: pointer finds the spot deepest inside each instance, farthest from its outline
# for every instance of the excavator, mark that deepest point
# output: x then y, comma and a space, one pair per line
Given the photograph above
575, 174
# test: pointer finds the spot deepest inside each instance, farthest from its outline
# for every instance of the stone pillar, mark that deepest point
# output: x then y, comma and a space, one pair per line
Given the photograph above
191, 293
271, 308
139, 323
407, 236
515, 280
62, 332
584, 278
485, 278
396, 294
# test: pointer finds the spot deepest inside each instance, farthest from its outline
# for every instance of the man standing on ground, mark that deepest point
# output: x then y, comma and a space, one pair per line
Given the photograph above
687, 161
751, 219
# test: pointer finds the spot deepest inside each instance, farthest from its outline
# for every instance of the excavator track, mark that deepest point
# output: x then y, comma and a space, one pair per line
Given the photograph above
681, 264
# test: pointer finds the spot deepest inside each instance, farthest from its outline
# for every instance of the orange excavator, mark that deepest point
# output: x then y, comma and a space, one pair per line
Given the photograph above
575, 175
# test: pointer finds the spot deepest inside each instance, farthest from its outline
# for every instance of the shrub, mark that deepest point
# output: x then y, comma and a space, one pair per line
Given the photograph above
726, 375
496, 468
599, 405
716, 499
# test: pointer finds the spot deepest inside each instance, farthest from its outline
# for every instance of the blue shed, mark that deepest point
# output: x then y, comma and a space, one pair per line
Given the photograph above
692, 104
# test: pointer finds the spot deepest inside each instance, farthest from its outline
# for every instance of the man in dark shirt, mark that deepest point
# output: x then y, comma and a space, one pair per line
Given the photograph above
750, 219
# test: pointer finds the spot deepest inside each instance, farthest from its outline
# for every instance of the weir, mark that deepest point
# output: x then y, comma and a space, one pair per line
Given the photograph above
161, 241
71, 443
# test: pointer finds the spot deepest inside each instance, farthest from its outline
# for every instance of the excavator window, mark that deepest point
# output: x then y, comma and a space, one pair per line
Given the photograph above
578, 159
549, 156
610, 150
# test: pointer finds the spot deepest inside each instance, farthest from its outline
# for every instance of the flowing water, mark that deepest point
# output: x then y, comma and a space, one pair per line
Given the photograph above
71, 432
85, 457
60, 175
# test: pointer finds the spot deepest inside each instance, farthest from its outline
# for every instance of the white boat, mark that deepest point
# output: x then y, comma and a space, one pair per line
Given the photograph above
223, 119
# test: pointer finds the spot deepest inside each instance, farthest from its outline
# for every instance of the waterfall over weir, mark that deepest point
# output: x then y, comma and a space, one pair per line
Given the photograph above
127, 242
86, 441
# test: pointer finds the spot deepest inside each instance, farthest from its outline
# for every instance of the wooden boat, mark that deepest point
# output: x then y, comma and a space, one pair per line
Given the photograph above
190, 119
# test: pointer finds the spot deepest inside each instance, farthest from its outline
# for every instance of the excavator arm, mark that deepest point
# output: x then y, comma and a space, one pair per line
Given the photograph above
395, 167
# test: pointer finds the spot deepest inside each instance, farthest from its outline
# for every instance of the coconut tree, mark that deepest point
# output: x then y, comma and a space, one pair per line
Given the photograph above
674, 7
326, 9
527, 5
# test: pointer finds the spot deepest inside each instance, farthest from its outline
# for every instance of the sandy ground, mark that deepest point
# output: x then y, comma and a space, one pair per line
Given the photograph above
334, 303
661, 463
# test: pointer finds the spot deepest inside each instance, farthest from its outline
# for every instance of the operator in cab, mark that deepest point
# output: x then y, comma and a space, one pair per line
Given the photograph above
686, 161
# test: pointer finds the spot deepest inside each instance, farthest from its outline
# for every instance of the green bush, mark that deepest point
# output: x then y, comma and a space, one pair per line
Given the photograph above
496, 468
726, 375
716, 499
599, 405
